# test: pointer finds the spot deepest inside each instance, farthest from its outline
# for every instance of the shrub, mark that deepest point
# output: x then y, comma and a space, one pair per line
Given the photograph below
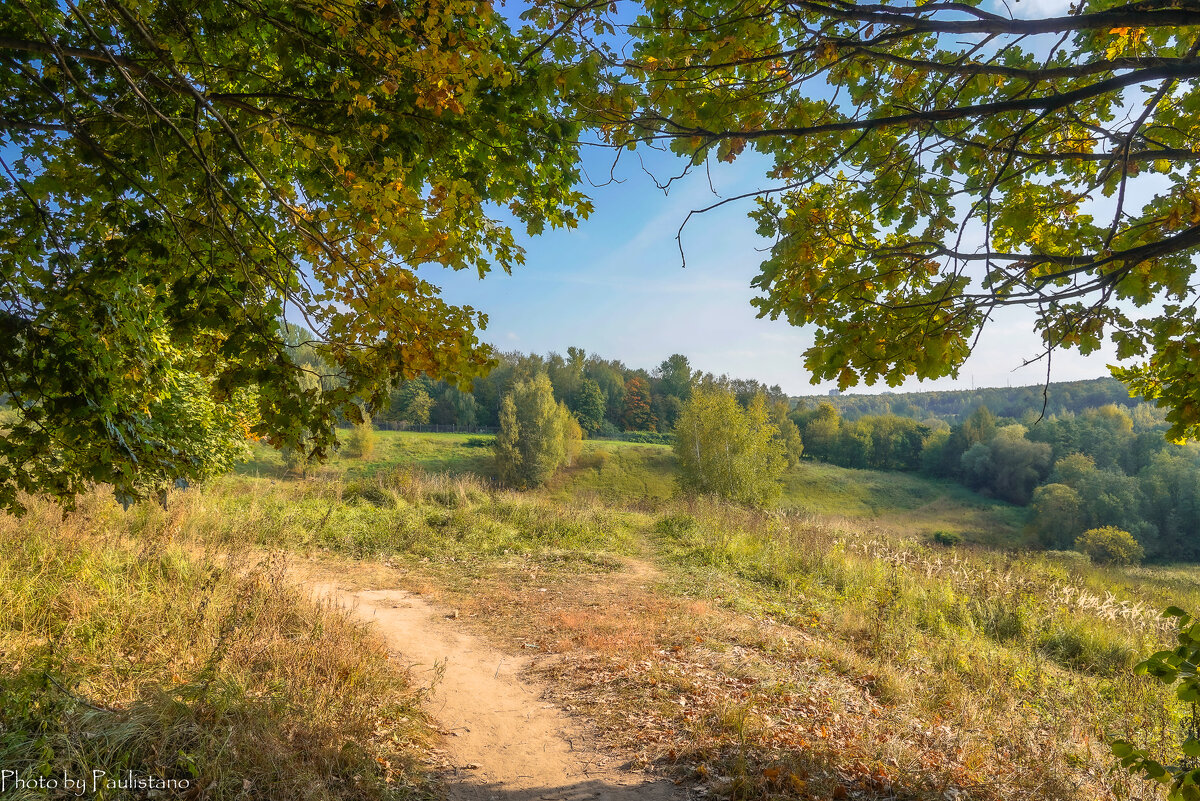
478, 442
360, 442
1110, 546
649, 437
947, 538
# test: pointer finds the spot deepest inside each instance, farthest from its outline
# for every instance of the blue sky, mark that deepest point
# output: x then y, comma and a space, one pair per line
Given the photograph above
616, 287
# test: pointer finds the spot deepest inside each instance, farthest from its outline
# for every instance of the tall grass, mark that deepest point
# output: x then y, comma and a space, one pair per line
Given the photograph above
1011, 649
128, 648
174, 647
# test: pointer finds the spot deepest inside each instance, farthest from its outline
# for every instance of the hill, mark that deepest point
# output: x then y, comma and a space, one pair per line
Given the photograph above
1017, 403
822, 649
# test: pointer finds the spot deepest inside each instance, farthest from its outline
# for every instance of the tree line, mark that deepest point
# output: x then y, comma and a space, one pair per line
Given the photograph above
1108, 466
605, 396
1015, 402
1081, 468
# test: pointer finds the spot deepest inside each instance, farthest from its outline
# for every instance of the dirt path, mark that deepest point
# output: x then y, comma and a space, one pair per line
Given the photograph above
504, 742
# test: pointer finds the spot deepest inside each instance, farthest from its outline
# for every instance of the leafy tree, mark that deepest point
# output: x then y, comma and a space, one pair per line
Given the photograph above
589, 406
532, 441
1170, 487
666, 410
637, 415
360, 442
726, 450
1072, 469
1056, 515
1112, 499
1020, 465
1110, 546
418, 406
980, 426
821, 431
176, 177
572, 434
1010, 466
454, 407
1064, 142
506, 446
789, 434
676, 376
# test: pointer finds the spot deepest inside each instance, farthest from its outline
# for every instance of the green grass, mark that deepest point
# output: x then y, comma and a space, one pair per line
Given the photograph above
621, 472
618, 472
987, 642
905, 500
433, 453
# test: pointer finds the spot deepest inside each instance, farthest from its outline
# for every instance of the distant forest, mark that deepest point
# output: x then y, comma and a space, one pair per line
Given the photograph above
606, 396
953, 405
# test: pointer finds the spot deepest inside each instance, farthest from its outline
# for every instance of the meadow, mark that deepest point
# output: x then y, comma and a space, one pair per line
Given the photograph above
823, 648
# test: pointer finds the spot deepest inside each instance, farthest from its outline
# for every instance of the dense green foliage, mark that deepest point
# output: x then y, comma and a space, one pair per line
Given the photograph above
605, 395
1103, 466
537, 434
1058, 398
177, 177
930, 164
360, 442
728, 451
1110, 546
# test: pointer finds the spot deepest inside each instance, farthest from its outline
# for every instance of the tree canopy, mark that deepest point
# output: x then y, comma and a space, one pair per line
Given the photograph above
175, 178
931, 163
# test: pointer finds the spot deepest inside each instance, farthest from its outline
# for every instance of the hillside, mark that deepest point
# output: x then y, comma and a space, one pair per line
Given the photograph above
1016, 403
824, 649
618, 472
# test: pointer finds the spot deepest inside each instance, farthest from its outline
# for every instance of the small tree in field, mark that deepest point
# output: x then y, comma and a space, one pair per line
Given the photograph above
508, 453
728, 451
1110, 546
532, 441
572, 434
360, 442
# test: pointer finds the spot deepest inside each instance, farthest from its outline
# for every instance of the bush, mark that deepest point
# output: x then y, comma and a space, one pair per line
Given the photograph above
1110, 546
478, 442
649, 437
947, 538
360, 442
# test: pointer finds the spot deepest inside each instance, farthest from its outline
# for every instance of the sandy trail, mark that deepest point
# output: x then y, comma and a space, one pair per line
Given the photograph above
505, 743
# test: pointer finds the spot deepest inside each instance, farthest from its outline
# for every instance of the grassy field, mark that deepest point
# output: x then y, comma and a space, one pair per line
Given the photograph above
619, 472
821, 649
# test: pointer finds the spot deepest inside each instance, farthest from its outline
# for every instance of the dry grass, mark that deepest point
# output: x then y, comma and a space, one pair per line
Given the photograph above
756, 654
160, 656
769, 654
